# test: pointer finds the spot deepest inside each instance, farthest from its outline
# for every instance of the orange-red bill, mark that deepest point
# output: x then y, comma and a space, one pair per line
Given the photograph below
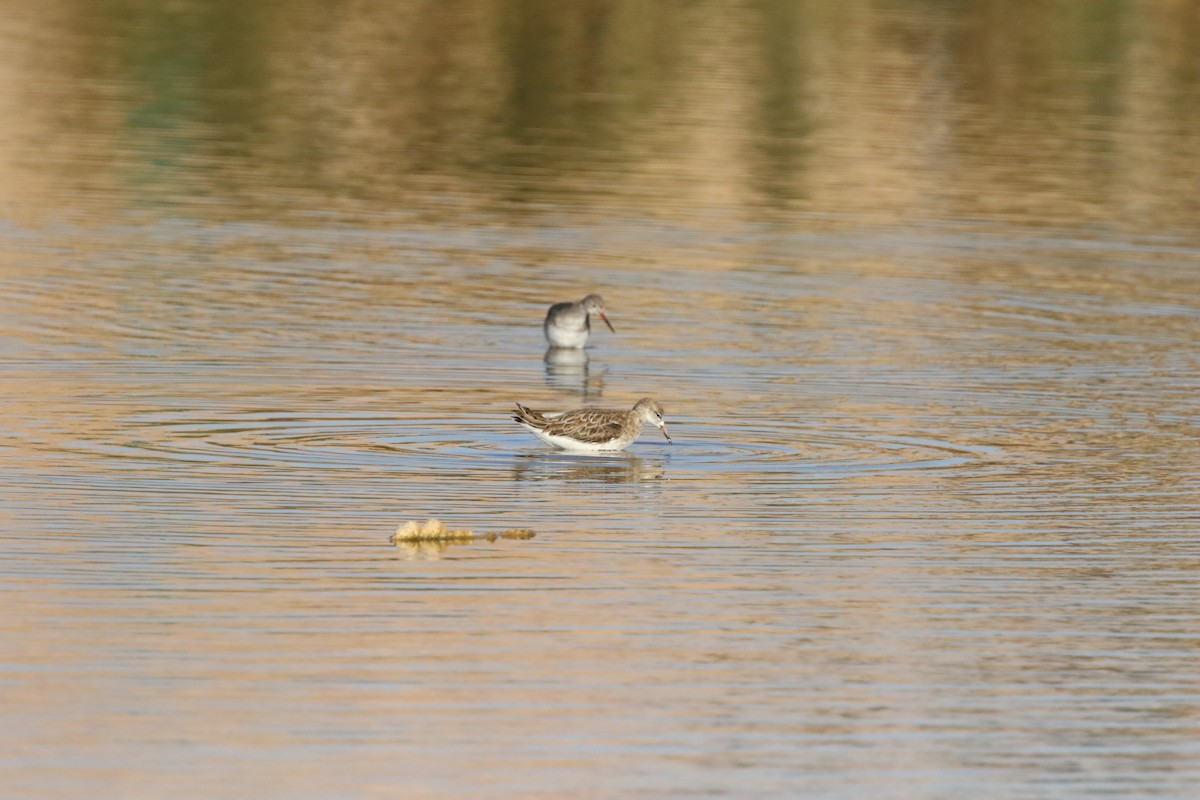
664, 430
606, 322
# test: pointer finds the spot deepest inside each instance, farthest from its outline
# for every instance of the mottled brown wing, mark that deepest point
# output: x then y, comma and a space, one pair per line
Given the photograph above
585, 425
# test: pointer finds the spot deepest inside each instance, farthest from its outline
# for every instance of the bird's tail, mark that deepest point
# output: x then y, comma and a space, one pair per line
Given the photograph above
527, 416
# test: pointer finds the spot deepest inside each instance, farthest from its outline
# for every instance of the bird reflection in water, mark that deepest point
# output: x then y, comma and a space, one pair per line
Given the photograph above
578, 467
567, 370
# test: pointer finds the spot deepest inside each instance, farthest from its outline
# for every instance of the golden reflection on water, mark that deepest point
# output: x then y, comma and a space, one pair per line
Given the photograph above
1053, 114
916, 282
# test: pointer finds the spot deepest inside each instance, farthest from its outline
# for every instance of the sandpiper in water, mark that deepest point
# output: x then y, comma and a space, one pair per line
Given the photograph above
568, 324
592, 430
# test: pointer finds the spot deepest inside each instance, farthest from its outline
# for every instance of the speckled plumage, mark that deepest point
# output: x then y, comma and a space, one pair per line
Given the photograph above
568, 324
592, 429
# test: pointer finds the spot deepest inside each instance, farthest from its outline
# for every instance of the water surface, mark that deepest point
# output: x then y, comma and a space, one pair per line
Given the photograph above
917, 286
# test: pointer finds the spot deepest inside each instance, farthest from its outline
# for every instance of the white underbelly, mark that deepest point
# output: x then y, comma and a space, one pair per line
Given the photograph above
567, 337
574, 445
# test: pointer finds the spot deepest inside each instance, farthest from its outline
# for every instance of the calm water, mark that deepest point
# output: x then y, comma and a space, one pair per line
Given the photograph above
918, 284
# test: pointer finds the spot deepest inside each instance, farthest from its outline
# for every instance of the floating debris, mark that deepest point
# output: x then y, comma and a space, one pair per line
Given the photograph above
512, 533
434, 530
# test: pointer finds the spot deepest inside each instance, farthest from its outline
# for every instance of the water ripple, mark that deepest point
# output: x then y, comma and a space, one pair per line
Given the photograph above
271, 439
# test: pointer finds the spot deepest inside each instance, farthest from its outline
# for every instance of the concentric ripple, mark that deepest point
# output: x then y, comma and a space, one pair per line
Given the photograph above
825, 453
273, 439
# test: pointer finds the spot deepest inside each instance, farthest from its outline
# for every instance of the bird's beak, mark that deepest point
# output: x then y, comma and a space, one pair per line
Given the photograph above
606, 322
663, 428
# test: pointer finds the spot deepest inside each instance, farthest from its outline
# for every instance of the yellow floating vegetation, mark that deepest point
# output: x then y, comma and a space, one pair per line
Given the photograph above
511, 533
434, 530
